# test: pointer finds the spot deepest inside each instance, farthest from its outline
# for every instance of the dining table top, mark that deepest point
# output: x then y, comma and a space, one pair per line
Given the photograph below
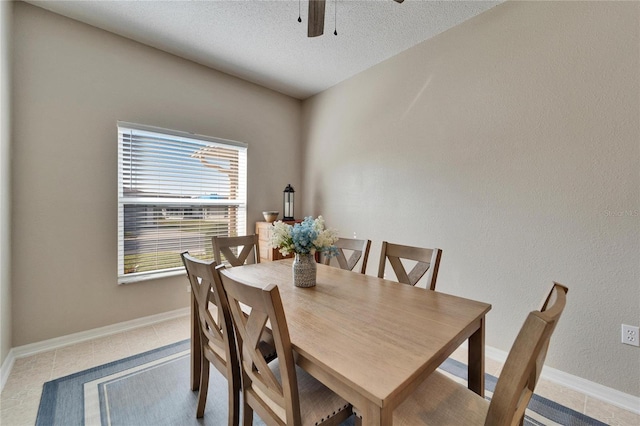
366, 337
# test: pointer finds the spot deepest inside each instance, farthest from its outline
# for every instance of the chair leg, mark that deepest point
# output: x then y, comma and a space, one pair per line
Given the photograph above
247, 412
204, 388
234, 399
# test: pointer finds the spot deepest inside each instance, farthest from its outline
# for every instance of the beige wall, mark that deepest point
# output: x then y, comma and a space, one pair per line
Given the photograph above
5, 187
72, 83
512, 142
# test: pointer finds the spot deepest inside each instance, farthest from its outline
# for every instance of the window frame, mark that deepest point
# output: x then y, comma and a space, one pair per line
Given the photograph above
122, 199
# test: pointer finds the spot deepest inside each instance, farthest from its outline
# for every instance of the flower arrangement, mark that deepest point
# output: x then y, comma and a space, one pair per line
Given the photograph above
307, 237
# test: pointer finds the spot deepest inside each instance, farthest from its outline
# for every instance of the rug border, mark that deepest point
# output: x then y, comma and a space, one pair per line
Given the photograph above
50, 389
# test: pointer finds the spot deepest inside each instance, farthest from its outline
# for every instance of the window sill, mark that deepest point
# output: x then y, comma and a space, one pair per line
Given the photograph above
134, 278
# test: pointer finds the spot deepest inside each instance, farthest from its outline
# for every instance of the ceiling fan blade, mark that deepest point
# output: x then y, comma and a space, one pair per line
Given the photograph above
316, 18
399, 1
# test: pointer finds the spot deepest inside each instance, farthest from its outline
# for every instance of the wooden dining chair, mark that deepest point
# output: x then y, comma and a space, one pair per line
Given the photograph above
222, 247
442, 401
215, 329
358, 248
280, 392
216, 334
427, 261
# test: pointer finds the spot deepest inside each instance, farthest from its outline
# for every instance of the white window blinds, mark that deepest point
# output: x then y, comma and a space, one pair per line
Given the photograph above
175, 191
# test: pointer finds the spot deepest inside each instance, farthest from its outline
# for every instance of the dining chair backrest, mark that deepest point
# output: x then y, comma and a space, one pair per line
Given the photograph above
217, 342
222, 247
427, 261
524, 363
276, 400
359, 250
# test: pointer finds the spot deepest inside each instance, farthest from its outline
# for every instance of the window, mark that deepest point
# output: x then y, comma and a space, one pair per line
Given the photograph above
175, 191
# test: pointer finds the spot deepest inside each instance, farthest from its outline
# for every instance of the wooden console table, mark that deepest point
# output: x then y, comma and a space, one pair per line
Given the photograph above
267, 252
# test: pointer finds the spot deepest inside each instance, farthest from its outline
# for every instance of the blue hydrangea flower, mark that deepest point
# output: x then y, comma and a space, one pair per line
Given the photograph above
306, 237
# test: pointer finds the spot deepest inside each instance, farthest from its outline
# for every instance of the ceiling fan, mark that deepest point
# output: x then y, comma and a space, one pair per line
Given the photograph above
316, 17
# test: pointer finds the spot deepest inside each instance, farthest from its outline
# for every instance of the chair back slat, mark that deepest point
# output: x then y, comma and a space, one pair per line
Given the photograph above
419, 269
270, 394
251, 356
222, 249
401, 273
427, 263
524, 363
359, 250
214, 330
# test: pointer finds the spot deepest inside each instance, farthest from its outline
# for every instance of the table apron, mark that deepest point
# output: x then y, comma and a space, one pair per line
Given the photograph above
347, 392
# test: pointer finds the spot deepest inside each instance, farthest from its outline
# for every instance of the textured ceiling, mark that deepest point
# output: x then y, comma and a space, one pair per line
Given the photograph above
263, 42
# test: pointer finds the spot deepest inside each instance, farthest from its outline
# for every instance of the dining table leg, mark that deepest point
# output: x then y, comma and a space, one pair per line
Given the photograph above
476, 360
196, 355
373, 415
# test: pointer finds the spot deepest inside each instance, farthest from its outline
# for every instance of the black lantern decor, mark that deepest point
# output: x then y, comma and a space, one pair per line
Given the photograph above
288, 203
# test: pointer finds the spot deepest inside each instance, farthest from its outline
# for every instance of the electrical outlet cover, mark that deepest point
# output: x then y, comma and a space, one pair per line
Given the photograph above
630, 335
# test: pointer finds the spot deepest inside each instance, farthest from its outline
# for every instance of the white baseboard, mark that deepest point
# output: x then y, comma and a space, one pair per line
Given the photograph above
6, 367
71, 339
592, 389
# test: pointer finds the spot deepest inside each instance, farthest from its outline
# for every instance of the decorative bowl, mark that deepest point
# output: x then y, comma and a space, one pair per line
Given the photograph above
270, 216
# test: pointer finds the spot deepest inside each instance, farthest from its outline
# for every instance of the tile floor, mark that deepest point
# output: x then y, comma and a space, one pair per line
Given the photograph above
21, 395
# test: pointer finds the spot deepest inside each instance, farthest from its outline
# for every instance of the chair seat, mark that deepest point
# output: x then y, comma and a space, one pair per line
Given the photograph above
318, 403
443, 402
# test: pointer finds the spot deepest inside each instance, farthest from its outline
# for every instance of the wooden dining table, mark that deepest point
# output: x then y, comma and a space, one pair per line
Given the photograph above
370, 340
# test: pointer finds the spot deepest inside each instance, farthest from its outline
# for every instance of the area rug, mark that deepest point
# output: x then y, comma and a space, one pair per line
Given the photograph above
152, 388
